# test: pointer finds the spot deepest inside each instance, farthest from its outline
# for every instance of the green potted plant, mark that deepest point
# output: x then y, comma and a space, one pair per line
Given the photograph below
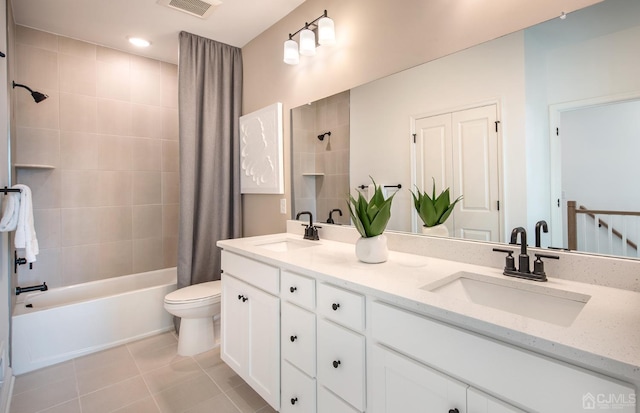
434, 210
370, 219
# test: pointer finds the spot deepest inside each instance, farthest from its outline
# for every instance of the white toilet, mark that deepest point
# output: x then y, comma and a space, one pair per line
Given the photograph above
196, 305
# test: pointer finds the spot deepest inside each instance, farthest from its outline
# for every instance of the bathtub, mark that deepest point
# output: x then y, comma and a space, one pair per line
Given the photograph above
57, 325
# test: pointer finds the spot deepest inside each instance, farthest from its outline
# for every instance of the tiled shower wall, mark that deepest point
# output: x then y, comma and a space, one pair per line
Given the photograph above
109, 130
321, 168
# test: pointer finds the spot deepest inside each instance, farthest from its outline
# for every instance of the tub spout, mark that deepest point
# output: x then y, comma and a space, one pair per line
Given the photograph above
41, 287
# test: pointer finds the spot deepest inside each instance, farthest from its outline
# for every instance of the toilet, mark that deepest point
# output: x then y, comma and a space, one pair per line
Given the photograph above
196, 305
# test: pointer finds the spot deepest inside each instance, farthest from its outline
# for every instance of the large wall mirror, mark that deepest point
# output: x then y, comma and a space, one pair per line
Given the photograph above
519, 126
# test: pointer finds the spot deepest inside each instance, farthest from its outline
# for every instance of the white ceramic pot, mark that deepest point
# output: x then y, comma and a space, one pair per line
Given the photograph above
372, 250
437, 230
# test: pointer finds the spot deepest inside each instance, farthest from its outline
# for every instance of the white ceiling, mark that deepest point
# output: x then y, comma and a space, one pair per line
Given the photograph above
110, 22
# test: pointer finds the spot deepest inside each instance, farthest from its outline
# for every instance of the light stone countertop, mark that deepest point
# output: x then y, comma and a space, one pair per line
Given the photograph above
605, 336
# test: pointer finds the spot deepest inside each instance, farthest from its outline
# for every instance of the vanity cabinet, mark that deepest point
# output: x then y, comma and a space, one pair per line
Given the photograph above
323, 348
518, 377
250, 324
308, 345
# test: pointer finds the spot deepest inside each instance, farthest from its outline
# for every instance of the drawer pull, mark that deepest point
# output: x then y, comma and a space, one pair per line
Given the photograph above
454, 411
336, 363
293, 338
243, 298
293, 289
294, 400
335, 306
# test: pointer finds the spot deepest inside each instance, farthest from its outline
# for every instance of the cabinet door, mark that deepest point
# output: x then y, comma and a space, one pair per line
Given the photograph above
479, 402
399, 384
234, 318
264, 345
250, 323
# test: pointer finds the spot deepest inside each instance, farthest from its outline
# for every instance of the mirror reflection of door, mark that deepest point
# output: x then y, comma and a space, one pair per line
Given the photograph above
599, 146
460, 151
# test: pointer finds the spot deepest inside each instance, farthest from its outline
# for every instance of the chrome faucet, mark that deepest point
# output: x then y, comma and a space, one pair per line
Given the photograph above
311, 231
523, 270
330, 220
545, 229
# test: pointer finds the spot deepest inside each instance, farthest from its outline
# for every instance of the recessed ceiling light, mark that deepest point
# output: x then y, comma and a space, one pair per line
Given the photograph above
139, 42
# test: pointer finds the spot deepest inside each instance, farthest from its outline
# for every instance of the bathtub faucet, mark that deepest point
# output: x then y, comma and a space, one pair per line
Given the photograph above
41, 287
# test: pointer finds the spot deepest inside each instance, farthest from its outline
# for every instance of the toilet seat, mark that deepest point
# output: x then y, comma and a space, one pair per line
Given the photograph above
198, 294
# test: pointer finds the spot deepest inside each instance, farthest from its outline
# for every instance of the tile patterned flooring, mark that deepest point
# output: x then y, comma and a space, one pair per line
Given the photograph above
145, 376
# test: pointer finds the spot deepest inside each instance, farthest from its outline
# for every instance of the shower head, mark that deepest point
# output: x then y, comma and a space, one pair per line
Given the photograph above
37, 96
322, 135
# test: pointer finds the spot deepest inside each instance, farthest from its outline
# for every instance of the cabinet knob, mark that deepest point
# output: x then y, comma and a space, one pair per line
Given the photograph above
243, 298
293, 289
294, 400
335, 306
336, 363
293, 338
454, 411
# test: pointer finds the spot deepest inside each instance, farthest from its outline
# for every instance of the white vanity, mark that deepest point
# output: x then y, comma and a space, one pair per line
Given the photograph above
312, 329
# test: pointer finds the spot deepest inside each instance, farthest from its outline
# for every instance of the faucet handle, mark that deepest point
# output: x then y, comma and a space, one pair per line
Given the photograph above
509, 261
538, 264
311, 233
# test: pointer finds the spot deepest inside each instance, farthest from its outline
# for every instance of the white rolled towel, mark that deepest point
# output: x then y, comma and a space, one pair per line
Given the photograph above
10, 212
25, 236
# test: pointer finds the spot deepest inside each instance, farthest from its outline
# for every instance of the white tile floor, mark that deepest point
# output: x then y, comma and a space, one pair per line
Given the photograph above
146, 376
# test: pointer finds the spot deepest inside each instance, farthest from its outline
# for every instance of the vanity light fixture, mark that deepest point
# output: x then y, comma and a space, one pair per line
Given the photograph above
322, 26
139, 42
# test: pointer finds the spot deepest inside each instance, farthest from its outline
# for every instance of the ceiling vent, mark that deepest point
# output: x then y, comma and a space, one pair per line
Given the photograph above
198, 8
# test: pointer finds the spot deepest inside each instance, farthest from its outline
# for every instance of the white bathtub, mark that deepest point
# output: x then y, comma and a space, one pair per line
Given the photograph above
68, 322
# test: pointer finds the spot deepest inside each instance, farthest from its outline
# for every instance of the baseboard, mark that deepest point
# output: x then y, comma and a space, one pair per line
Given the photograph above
7, 392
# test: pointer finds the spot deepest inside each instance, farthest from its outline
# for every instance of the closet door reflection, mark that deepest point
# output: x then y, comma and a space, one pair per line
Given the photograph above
459, 150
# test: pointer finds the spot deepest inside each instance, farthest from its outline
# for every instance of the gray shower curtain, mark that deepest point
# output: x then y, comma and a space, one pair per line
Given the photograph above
210, 92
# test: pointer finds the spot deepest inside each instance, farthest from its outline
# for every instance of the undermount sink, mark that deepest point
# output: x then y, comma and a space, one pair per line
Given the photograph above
284, 245
522, 298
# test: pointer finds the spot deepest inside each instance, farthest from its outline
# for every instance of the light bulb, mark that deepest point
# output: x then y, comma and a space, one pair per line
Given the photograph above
291, 56
326, 31
307, 43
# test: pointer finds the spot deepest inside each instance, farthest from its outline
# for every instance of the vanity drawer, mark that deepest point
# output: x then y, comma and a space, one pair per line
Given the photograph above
341, 362
342, 306
298, 391
298, 289
253, 272
298, 339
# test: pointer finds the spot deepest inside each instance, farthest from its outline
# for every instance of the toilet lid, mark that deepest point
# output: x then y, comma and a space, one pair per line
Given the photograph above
195, 292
